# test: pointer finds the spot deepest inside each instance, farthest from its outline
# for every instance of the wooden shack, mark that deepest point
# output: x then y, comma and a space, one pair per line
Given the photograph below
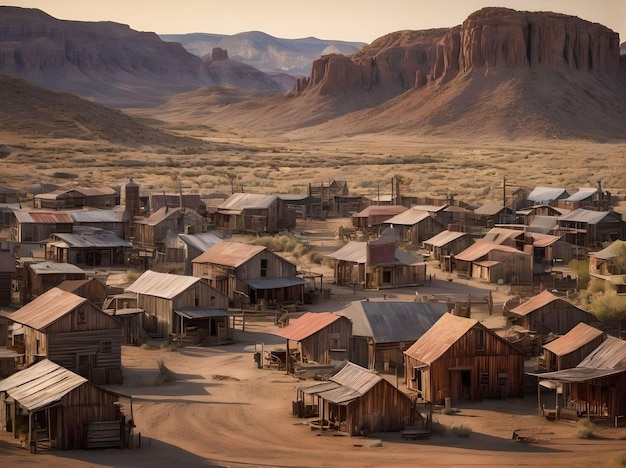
319, 339
371, 218
383, 330
91, 289
415, 225
43, 276
359, 401
249, 213
252, 271
570, 349
445, 244
461, 359
36, 226
50, 406
159, 294
87, 246
495, 263
607, 265
71, 331
547, 313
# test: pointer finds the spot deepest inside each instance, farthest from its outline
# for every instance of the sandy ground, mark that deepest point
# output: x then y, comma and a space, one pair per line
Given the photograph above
221, 410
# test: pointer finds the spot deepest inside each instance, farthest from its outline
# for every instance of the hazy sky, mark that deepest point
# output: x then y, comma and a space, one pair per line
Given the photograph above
349, 20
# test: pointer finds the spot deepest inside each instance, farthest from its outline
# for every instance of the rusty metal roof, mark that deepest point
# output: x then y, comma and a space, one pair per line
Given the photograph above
542, 299
392, 321
444, 238
480, 248
165, 285
577, 337
47, 308
307, 325
408, 217
232, 254
43, 217
89, 238
41, 384
440, 337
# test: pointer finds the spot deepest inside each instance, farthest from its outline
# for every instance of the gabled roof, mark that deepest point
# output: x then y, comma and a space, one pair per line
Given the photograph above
546, 194
380, 210
409, 217
232, 254
307, 325
444, 238
586, 216
165, 285
442, 335
490, 209
391, 321
159, 216
42, 217
542, 299
479, 249
243, 201
47, 308
582, 194
41, 384
49, 268
577, 337
498, 235
353, 251
431, 208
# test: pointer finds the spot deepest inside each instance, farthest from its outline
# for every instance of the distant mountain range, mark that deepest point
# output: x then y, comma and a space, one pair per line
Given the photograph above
264, 52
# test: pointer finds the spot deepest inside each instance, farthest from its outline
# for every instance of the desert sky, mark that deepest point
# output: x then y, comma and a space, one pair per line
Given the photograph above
349, 20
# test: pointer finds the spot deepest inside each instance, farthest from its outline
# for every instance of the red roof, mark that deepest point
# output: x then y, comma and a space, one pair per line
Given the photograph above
307, 325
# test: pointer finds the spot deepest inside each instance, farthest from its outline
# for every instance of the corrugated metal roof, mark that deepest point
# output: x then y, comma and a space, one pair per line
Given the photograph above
501, 235
582, 194
585, 216
610, 354
577, 337
165, 285
380, 210
440, 337
307, 325
45, 268
392, 321
241, 201
232, 254
542, 299
353, 251
274, 283
609, 252
41, 384
203, 241
98, 238
318, 388
577, 374
43, 217
200, 312
430, 208
95, 216
408, 217
546, 194
444, 238
47, 308
480, 248
355, 381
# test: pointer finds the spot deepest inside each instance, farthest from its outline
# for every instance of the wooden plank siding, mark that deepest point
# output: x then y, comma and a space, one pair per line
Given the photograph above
317, 347
487, 368
600, 396
567, 361
557, 317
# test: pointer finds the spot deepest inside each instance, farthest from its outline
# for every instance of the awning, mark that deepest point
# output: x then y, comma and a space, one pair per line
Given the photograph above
577, 374
275, 283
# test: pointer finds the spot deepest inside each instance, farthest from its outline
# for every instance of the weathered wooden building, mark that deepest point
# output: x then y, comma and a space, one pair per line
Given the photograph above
87, 246
248, 213
383, 330
71, 331
459, 358
607, 265
491, 214
569, 350
444, 245
91, 289
49, 405
160, 294
252, 271
414, 226
595, 388
372, 218
36, 226
43, 276
495, 263
588, 229
359, 401
547, 313
8, 275
377, 264
61, 199
190, 246
317, 339
546, 195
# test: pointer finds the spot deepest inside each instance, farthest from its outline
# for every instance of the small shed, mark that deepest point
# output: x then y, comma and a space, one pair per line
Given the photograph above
607, 265
205, 325
547, 313
70, 330
495, 263
446, 244
248, 213
92, 289
321, 339
383, 330
359, 401
461, 359
570, 349
48, 404
371, 218
87, 246
43, 276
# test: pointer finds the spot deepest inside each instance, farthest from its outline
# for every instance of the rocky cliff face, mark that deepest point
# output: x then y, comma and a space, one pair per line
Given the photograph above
489, 38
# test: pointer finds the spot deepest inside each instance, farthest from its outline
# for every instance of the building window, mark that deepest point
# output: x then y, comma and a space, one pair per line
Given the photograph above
81, 316
263, 267
417, 378
480, 340
106, 347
